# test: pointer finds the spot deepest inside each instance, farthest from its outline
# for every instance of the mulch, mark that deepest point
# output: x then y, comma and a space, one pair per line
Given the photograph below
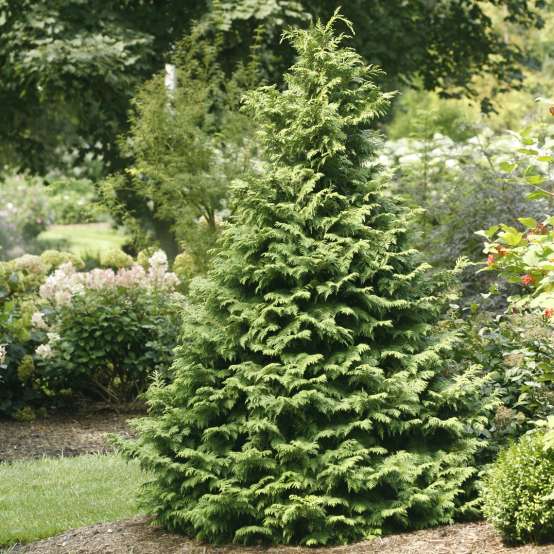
62, 434
137, 536
83, 433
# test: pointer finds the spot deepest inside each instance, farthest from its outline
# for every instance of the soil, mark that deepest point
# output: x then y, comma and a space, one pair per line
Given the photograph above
137, 536
62, 434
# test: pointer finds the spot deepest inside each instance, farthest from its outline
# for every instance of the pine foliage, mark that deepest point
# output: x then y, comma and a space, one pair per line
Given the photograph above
312, 401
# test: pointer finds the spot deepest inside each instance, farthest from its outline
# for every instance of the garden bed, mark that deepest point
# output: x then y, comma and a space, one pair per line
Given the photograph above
136, 535
61, 435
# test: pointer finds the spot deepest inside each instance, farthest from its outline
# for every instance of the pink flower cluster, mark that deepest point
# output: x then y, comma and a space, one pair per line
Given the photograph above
65, 282
60, 287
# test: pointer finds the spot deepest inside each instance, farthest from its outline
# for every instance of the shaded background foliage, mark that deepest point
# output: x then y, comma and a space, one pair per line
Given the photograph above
70, 67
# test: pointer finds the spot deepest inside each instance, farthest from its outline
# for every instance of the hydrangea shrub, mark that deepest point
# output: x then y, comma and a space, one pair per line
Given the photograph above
107, 331
66, 333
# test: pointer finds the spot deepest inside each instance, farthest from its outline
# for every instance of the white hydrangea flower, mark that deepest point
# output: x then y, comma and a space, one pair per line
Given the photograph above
158, 263
44, 351
133, 276
100, 279
37, 321
62, 284
53, 338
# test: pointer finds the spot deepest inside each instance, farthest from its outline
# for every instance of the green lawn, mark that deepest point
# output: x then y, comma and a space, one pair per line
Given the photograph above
87, 239
41, 498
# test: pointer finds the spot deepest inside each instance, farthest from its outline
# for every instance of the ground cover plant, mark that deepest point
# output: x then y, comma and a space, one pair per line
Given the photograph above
40, 498
313, 401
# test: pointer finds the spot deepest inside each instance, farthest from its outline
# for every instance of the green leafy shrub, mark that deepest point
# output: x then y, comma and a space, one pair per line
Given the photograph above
115, 258
313, 398
109, 343
525, 257
185, 268
21, 392
518, 492
516, 350
19, 387
108, 332
67, 334
522, 259
20, 280
55, 258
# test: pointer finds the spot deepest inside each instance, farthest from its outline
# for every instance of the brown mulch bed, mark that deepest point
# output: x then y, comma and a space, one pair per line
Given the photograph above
136, 536
62, 434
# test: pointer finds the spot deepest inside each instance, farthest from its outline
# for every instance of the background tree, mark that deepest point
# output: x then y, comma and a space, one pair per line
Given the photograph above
70, 68
183, 148
313, 401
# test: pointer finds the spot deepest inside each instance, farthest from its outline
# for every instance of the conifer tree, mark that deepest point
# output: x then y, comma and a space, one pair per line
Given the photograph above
312, 400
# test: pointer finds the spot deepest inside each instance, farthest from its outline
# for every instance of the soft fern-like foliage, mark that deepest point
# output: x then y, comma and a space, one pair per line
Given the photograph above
311, 402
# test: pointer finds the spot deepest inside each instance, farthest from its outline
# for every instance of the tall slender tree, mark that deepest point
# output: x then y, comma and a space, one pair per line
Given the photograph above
313, 401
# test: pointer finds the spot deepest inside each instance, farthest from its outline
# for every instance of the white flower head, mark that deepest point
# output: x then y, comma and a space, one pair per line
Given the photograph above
131, 277
158, 276
44, 351
158, 262
60, 287
53, 338
37, 321
100, 279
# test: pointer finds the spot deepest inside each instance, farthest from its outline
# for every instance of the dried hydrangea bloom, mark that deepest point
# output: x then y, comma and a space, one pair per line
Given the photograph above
514, 359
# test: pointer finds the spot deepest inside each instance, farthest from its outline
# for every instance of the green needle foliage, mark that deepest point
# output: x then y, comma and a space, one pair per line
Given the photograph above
183, 148
312, 402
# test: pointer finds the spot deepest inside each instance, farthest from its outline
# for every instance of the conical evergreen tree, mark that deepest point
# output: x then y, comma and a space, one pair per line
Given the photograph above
311, 402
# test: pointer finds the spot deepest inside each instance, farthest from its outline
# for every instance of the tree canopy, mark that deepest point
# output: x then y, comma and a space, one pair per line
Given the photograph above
71, 67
